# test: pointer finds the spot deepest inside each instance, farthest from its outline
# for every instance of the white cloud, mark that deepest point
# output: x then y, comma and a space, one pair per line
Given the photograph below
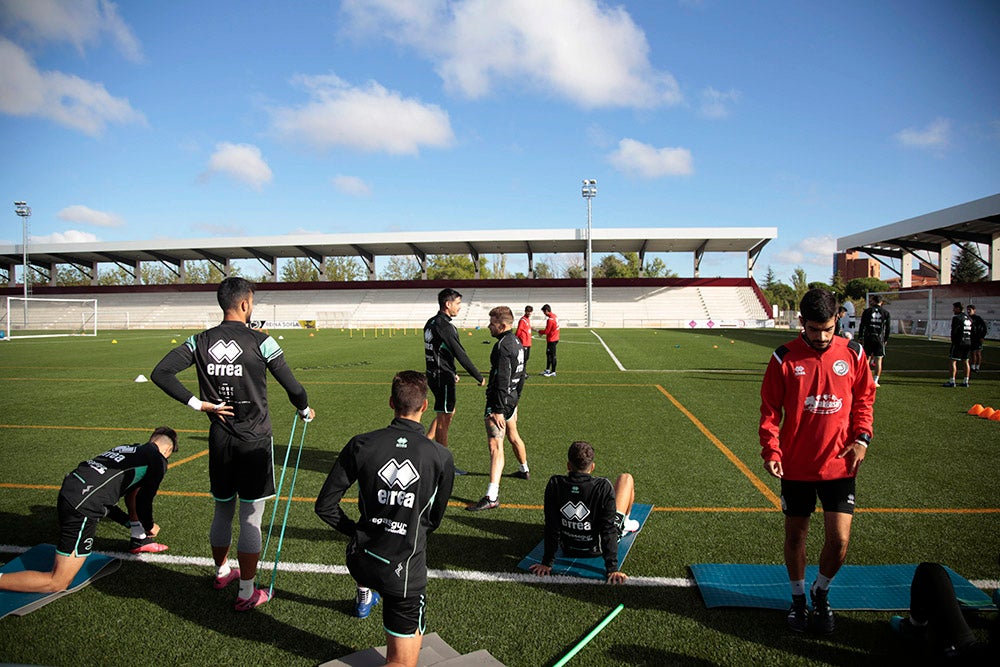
86, 215
816, 250
66, 99
370, 119
581, 50
241, 162
69, 236
351, 185
717, 104
79, 22
645, 161
935, 135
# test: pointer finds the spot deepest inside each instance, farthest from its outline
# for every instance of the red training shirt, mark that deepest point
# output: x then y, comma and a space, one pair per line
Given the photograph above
523, 332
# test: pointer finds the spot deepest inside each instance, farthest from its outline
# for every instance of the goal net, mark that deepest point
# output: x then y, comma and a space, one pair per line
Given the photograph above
912, 311
41, 318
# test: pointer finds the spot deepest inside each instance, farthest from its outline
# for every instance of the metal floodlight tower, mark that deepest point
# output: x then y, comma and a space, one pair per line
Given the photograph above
23, 210
589, 192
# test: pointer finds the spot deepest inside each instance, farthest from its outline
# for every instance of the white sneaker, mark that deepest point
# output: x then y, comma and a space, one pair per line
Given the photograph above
631, 525
877, 384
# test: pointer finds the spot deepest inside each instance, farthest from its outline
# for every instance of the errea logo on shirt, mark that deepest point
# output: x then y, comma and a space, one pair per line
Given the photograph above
574, 516
225, 352
824, 404
403, 475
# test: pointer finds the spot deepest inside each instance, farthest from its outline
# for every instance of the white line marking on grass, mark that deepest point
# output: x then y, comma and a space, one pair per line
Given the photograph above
458, 575
610, 353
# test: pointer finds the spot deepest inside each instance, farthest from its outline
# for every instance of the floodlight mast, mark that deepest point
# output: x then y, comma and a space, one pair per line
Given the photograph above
24, 211
589, 192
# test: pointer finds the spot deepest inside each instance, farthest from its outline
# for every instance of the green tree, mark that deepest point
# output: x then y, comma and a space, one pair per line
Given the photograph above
800, 283
857, 288
782, 296
70, 275
401, 268
205, 272
299, 270
155, 274
966, 267
658, 269
770, 280
543, 270
116, 276
611, 266
816, 284
838, 286
344, 269
455, 267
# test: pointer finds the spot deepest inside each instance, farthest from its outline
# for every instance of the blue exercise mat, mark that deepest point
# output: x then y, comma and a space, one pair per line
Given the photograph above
590, 568
858, 587
41, 558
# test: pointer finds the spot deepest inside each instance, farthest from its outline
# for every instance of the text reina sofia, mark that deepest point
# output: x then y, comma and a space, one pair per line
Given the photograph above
227, 370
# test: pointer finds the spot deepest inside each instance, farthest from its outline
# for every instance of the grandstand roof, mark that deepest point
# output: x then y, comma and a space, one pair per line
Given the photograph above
513, 241
976, 221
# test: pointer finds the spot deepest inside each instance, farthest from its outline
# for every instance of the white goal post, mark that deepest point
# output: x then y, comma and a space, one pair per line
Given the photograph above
912, 311
47, 318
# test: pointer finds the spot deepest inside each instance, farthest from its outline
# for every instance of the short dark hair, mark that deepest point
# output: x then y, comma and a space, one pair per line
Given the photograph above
971, 306
818, 305
546, 309
502, 314
957, 304
167, 432
841, 309
581, 455
232, 290
529, 309
446, 295
409, 391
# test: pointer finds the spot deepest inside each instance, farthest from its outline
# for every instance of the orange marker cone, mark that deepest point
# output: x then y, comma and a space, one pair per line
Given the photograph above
987, 413
995, 417
975, 409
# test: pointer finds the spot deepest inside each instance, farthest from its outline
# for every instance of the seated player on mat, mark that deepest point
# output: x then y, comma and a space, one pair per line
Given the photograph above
86, 494
586, 515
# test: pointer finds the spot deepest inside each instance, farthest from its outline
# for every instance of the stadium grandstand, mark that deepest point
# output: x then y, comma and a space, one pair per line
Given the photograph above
692, 302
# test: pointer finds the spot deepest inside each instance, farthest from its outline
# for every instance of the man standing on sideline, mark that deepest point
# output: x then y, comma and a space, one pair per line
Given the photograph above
129, 470
979, 330
874, 334
569, 499
441, 348
524, 334
502, 394
551, 333
232, 361
961, 343
404, 481
815, 427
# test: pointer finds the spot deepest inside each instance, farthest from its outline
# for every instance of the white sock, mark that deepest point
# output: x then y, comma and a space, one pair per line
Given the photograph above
246, 588
365, 594
798, 587
136, 529
822, 582
492, 491
223, 570
524, 467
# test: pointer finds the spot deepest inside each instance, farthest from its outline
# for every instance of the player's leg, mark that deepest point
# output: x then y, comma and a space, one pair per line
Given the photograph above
494, 442
33, 581
554, 359
624, 493
444, 409
798, 502
255, 479
933, 606
405, 623
221, 473
837, 497
517, 444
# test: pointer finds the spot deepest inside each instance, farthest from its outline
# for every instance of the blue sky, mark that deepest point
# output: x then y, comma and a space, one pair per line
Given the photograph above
182, 119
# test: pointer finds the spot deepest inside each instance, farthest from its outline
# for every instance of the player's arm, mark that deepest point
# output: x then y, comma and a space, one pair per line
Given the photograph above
341, 477
278, 367
445, 482
772, 398
862, 415
164, 376
143, 494
450, 337
608, 531
551, 513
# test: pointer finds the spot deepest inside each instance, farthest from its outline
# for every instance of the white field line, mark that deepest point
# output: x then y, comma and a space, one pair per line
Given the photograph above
314, 568
463, 575
610, 353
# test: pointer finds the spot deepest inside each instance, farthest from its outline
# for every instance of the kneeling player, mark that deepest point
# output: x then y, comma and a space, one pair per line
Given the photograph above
404, 481
586, 515
86, 493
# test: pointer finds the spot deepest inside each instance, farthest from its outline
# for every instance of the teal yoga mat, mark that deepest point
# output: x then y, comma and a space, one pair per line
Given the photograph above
590, 568
858, 587
41, 558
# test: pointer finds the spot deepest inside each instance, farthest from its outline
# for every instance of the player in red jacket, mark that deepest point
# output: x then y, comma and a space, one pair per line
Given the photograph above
551, 333
523, 333
815, 427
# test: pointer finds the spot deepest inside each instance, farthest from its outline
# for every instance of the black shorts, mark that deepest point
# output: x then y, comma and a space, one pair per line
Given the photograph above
977, 345
243, 468
401, 616
874, 347
76, 531
491, 430
799, 498
959, 352
442, 385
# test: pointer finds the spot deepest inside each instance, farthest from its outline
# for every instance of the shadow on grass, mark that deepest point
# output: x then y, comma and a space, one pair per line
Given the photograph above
505, 544
190, 597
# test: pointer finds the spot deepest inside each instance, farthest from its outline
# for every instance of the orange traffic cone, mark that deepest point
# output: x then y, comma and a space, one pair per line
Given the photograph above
987, 413
995, 417
975, 409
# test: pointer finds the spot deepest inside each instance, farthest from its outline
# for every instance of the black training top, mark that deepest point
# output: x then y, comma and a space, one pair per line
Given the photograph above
232, 361
404, 481
442, 347
961, 329
874, 324
99, 482
979, 327
506, 374
580, 515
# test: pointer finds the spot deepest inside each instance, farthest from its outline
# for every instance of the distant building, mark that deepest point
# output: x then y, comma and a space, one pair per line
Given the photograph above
850, 266
922, 275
